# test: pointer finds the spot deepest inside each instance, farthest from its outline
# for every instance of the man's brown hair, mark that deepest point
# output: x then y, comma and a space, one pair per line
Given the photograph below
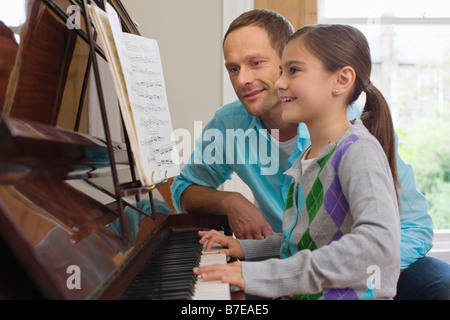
277, 27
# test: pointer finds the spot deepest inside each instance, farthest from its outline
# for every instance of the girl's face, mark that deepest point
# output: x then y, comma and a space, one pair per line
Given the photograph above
304, 87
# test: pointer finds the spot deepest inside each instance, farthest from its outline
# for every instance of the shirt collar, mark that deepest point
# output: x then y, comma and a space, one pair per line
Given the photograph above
303, 131
303, 134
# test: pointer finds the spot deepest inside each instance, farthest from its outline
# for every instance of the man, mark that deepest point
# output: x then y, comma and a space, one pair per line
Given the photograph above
252, 126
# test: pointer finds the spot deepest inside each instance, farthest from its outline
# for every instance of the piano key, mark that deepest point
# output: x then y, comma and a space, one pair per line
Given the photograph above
211, 290
162, 291
168, 274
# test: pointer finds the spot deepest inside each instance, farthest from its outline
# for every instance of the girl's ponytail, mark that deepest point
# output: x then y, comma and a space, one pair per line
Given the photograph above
377, 118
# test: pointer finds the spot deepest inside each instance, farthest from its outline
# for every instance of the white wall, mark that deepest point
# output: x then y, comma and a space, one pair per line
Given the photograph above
189, 36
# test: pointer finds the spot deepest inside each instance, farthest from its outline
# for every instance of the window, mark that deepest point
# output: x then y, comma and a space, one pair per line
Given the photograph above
410, 44
13, 14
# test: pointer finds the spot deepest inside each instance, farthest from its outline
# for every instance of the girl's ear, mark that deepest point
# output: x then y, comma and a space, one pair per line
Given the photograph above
345, 78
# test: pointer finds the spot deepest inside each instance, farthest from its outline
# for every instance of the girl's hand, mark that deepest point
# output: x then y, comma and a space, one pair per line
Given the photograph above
233, 247
229, 273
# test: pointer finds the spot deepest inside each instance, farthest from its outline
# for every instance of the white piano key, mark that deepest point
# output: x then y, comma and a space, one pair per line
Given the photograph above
211, 290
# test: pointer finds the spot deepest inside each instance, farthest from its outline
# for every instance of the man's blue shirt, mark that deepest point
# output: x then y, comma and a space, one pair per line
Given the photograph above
236, 142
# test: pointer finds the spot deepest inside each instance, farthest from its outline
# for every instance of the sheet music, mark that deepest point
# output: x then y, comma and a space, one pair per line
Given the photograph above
136, 66
149, 101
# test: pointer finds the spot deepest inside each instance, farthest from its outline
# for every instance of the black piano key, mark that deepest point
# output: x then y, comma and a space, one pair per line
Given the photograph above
162, 286
182, 295
171, 286
168, 274
148, 281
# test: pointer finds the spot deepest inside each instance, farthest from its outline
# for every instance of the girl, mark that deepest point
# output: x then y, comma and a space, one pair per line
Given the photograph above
341, 236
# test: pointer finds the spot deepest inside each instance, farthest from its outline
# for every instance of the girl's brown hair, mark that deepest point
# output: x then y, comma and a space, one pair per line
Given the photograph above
338, 46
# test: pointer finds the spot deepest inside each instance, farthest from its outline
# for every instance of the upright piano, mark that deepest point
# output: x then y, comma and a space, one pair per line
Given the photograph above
64, 231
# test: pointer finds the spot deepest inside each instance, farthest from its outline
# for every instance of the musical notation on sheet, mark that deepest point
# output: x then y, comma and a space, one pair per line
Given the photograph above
150, 104
149, 110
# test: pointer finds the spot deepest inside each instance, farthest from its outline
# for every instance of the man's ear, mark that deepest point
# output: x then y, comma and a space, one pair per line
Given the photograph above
345, 78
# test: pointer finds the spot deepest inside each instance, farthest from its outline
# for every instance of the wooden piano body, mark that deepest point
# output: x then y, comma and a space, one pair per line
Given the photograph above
59, 218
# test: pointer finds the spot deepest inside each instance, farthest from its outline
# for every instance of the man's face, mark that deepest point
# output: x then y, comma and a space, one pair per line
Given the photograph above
253, 67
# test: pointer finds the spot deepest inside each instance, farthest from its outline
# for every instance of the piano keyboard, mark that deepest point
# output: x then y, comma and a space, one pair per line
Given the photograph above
168, 274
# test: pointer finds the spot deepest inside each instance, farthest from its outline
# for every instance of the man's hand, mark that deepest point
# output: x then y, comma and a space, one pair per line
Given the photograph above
246, 221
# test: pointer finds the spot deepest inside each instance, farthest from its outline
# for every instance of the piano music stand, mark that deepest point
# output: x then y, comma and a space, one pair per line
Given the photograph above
126, 189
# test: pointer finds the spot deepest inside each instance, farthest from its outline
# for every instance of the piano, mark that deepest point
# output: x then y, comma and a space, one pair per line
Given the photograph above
64, 231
